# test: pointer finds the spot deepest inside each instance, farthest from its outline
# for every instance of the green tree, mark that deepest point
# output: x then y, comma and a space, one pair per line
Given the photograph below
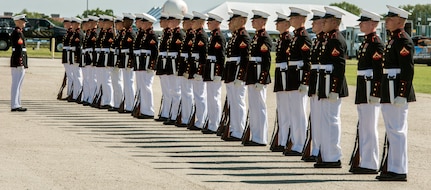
32, 14
419, 13
348, 7
97, 12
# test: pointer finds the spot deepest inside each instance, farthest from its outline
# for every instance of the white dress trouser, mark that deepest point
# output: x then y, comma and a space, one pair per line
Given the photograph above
396, 128
258, 114
283, 117
129, 88
86, 83
69, 77
100, 76
368, 115
107, 87
186, 99
77, 81
167, 100
298, 118
18, 74
200, 98
315, 109
92, 83
330, 147
146, 91
117, 86
238, 114
175, 94
214, 104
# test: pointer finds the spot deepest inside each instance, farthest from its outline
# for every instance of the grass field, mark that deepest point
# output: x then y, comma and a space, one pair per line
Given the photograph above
421, 81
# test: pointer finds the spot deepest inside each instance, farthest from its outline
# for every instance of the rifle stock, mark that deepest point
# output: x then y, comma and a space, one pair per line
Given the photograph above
384, 164
247, 132
63, 84
121, 108
306, 151
274, 139
137, 107
289, 143
178, 120
192, 119
224, 118
355, 158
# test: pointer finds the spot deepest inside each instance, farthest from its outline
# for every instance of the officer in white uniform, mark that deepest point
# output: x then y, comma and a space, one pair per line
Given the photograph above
18, 62
117, 72
76, 58
127, 53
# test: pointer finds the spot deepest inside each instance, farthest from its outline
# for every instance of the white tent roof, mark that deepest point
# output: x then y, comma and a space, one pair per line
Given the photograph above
348, 20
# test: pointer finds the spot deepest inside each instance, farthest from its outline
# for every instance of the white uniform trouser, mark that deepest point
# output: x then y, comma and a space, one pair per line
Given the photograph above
396, 128
258, 114
283, 117
117, 86
69, 77
200, 97
86, 73
315, 107
238, 114
93, 83
298, 118
186, 99
17, 79
77, 81
214, 104
129, 88
146, 90
175, 94
107, 87
167, 100
368, 115
330, 147
100, 76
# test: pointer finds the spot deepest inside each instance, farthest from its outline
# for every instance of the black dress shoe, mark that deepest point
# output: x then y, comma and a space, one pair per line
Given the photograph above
207, 131
125, 111
292, 153
231, 138
360, 170
85, 103
143, 116
278, 148
113, 109
20, 109
169, 122
71, 100
161, 119
251, 143
310, 159
181, 125
194, 128
105, 107
328, 164
391, 176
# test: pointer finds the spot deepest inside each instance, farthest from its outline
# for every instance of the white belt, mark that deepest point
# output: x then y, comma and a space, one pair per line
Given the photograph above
315, 67
392, 72
282, 65
106, 50
66, 48
146, 52
296, 63
98, 50
195, 55
125, 50
113, 50
211, 57
185, 55
88, 50
327, 68
366, 73
173, 54
163, 54
255, 59
137, 52
233, 59
72, 48
23, 49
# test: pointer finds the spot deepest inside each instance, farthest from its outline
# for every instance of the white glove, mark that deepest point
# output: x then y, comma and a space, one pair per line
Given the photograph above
186, 75
400, 101
333, 97
259, 86
149, 71
217, 78
20, 68
237, 82
198, 77
374, 100
303, 89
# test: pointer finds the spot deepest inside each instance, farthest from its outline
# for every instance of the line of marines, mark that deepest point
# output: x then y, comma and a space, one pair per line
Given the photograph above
114, 68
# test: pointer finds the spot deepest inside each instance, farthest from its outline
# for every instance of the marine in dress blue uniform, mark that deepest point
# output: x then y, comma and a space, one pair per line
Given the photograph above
126, 62
75, 58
